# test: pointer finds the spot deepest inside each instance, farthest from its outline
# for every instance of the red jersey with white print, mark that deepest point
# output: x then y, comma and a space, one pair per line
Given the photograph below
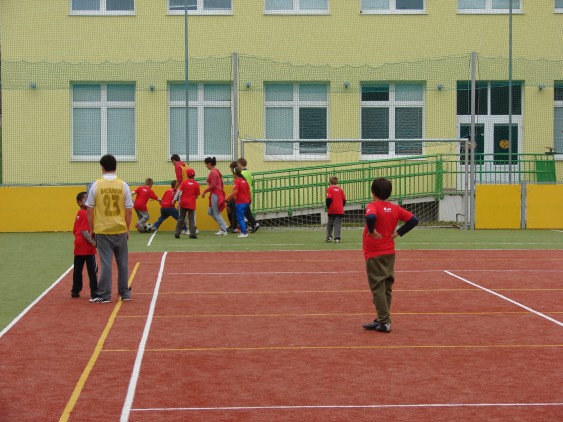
388, 215
143, 194
81, 245
338, 197
190, 191
168, 199
243, 191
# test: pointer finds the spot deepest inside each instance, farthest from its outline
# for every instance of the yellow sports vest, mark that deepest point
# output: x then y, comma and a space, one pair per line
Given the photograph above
109, 209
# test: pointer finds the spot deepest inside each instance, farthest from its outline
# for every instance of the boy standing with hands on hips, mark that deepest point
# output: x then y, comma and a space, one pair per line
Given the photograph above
379, 249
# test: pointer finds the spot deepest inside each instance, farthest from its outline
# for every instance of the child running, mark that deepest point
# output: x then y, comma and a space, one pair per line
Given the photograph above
379, 249
187, 195
144, 193
167, 208
241, 193
335, 201
84, 250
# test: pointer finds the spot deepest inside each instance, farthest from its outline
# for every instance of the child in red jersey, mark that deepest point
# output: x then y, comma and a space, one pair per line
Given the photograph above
144, 193
242, 195
379, 249
84, 250
167, 207
187, 194
335, 201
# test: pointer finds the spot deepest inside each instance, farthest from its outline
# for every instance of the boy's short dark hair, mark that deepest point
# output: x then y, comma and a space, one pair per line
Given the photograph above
382, 188
108, 162
333, 180
175, 157
149, 181
242, 161
173, 183
80, 196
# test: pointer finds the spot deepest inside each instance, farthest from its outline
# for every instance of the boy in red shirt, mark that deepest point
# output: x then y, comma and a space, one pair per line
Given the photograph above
84, 250
335, 201
379, 249
187, 194
144, 193
242, 195
167, 207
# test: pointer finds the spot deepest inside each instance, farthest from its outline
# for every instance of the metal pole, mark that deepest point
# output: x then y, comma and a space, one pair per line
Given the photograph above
235, 106
466, 198
510, 92
473, 139
186, 80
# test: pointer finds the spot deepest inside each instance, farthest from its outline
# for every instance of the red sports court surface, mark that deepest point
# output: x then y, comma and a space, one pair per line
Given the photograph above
264, 336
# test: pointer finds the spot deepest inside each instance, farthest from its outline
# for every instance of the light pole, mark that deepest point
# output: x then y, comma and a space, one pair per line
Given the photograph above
510, 91
186, 80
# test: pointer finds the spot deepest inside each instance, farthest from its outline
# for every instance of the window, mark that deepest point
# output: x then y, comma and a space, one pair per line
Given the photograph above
105, 7
559, 6
489, 6
209, 124
296, 112
492, 111
207, 7
558, 119
391, 6
103, 121
296, 6
391, 111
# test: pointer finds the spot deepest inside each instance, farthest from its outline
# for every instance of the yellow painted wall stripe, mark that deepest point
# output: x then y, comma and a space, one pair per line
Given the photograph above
86, 373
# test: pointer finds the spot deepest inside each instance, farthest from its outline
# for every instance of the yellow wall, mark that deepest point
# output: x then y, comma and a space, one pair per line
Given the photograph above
497, 206
52, 209
544, 207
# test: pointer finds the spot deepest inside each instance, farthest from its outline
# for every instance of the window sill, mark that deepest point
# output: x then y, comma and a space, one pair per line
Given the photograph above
297, 12
91, 159
393, 12
488, 12
98, 13
201, 13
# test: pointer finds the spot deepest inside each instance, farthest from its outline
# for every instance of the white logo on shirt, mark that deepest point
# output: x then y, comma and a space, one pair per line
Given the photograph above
387, 210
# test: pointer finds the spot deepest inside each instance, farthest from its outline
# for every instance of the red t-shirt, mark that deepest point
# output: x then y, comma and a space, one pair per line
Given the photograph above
144, 193
243, 191
190, 192
388, 215
81, 246
338, 198
168, 199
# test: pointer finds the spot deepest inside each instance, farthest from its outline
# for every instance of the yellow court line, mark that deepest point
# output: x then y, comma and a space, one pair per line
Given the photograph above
86, 373
334, 314
273, 348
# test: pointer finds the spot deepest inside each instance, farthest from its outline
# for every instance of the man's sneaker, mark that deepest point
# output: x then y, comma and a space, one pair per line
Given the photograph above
221, 233
242, 235
99, 300
372, 325
125, 298
256, 227
336, 240
384, 328
328, 239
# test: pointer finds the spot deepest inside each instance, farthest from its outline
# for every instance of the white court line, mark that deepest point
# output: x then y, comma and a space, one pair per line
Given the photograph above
360, 406
26, 310
505, 298
354, 272
141, 351
151, 238
242, 243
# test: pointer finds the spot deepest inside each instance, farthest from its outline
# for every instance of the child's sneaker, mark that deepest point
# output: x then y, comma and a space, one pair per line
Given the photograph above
99, 300
328, 239
336, 240
243, 235
221, 233
255, 228
193, 236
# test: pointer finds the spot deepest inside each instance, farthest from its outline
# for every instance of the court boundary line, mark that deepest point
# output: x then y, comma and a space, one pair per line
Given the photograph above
505, 298
32, 304
351, 406
126, 410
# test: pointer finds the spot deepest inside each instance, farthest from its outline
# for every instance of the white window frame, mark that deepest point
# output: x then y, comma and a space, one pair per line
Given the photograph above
392, 104
393, 10
200, 10
297, 10
103, 10
201, 104
295, 105
103, 105
558, 9
490, 120
488, 10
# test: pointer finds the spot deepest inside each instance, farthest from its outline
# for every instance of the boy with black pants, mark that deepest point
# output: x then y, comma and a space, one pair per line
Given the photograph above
84, 250
379, 249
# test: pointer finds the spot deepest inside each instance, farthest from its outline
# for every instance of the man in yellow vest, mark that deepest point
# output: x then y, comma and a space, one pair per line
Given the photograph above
109, 213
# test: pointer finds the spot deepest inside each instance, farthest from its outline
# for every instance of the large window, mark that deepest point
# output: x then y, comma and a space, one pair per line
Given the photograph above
488, 6
492, 111
109, 7
558, 6
219, 7
296, 112
209, 123
392, 6
392, 111
103, 121
296, 6
558, 120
